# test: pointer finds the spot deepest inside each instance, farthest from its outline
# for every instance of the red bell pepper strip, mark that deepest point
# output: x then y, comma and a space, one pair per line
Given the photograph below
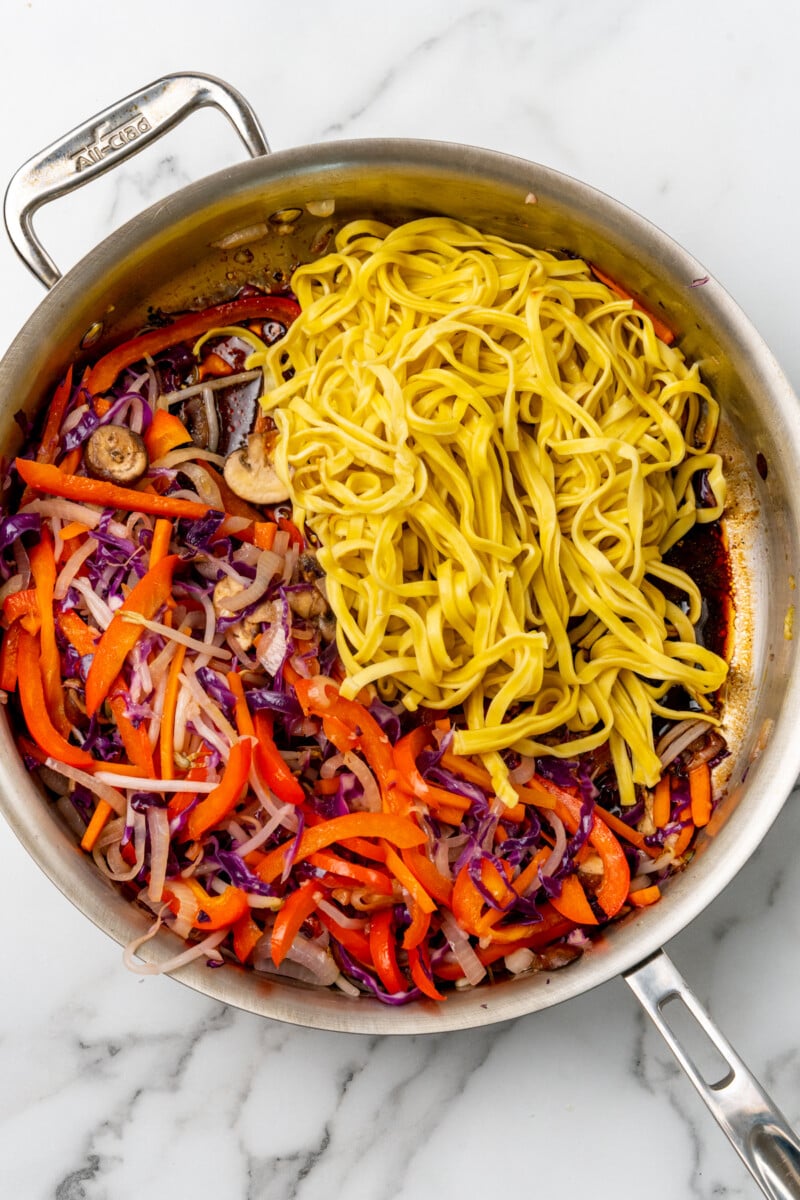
246, 935
467, 902
431, 878
135, 740
180, 801
295, 536
43, 569
572, 902
225, 796
149, 595
244, 722
409, 881
9, 653
271, 766
419, 965
355, 942
525, 937
188, 328
377, 881
166, 432
400, 831
406, 752
297, 908
322, 699
31, 694
417, 931
20, 604
79, 635
613, 891
383, 951
212, 912
51, 434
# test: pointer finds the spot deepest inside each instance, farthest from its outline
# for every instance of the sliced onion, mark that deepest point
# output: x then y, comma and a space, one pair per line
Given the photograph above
98, 609
524, 772
676, 731
372, 794
174, 458
195, 389
207, 947
317, 964
281, 814
339, 917
553, 861
72, 566
269, 564
271, 647
98, 787
158, 829
207, 705
695, 730
467, 959
206, 486
213, 651
212, 420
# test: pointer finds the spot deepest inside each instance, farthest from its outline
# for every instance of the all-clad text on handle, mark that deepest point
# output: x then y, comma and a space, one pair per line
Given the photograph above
106, 140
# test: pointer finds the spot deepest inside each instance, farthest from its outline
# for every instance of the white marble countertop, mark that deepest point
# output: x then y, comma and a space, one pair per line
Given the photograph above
118, 1088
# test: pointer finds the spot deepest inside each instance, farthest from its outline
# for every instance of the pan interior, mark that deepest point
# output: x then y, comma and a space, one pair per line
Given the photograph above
252, 224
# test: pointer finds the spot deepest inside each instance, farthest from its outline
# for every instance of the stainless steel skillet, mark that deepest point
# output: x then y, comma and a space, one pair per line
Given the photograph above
252, 223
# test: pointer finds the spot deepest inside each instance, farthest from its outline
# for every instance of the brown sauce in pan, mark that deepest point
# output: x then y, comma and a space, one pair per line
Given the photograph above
703, 555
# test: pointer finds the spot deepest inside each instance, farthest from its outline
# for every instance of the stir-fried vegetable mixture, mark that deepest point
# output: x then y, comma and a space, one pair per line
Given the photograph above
170, 665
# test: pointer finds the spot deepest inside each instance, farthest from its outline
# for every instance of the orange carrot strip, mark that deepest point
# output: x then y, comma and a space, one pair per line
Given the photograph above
683, 840
70, 462
408, 880
643, 897
166, 748
74, 529
96, 825
148, 596
264, 534
661, 802
700, 793
660, 328
166, 432
162, 535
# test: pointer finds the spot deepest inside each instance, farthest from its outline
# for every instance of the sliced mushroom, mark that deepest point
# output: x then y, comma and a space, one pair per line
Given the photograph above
308, 602
248, 628
116, 454
250, 473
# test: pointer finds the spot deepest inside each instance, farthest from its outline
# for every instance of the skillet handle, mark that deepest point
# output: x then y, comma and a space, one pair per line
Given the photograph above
758, 1131
107, 139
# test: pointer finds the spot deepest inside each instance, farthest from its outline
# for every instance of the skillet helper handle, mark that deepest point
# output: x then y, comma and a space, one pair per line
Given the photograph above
759, 1132
107, 139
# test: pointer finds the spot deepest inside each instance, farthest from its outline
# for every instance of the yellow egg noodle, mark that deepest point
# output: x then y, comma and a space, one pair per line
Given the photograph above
495, 451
